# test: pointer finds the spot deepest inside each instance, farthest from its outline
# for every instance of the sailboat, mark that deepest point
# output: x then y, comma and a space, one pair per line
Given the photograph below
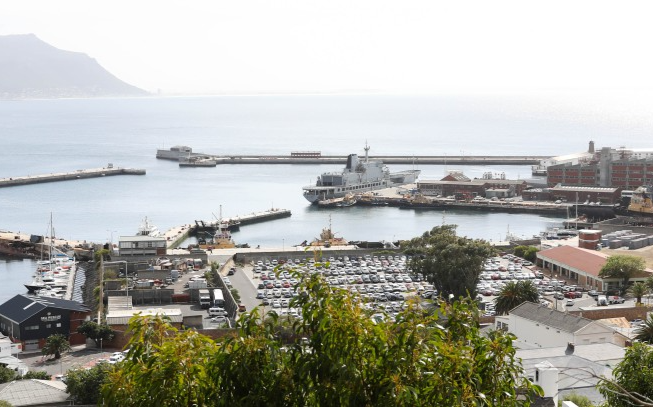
53, 271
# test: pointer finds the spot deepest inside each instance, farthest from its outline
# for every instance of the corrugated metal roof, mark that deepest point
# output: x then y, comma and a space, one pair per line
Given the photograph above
550, 317
33, 392
122, 316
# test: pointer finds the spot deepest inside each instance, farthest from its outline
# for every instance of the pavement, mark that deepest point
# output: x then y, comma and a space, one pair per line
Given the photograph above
79, 357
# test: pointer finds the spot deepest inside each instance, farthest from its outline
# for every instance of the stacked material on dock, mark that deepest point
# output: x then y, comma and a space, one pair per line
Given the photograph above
626, 238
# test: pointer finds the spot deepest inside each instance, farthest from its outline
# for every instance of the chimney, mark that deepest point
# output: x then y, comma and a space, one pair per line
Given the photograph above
591, 150
546, 376
570, 348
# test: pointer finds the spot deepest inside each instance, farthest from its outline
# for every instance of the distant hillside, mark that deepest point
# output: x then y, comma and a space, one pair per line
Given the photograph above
31, 68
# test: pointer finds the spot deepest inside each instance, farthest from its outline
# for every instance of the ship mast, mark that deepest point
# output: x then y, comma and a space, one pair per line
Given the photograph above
367, 148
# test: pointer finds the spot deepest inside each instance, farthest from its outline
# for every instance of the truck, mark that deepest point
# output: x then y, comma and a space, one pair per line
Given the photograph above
205, 298
601, 300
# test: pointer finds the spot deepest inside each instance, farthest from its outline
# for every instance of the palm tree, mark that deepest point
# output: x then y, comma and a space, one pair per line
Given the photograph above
55, 344
645, 332
638, 290
515, 293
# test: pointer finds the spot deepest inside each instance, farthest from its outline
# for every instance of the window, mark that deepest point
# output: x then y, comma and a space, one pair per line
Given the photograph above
58, 324
48, 326
32, 328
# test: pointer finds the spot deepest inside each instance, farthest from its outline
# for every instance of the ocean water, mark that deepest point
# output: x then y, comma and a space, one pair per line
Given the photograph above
45, 136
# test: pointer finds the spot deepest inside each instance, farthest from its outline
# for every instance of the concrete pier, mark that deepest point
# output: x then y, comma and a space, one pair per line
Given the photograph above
67, 176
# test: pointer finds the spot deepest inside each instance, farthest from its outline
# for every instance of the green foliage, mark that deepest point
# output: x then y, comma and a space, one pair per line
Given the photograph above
578, 399
101, 254
95, 331
638, 290
84, 385
55, 345
7, 375
235, 294
632, 383
623, 267
4, 403
645, 332
526, 252
339, 356
449, 262
40, 375
513, 294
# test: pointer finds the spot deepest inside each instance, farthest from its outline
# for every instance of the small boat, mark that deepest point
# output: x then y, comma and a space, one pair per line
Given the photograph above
328, 238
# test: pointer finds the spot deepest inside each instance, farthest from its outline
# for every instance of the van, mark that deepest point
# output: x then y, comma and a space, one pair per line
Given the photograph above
217, 312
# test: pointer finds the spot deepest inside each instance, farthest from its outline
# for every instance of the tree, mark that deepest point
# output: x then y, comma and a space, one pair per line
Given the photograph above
55, 344
578, 399
340, 356
623, 267
645, 332
632, 383
41, 375
7, 375
638, 290
527, 252
449, 262
513, 294
96, 332
84, 385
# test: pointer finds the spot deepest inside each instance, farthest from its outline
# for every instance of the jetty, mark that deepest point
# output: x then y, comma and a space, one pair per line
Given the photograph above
69, 176
236, 221
180, 153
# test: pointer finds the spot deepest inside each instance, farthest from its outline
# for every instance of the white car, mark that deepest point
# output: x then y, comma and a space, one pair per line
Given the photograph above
115, 358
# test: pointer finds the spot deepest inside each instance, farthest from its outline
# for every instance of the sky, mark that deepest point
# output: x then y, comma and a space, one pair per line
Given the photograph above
334, 46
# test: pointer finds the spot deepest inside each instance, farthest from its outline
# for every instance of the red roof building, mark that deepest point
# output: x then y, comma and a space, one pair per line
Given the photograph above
581, 266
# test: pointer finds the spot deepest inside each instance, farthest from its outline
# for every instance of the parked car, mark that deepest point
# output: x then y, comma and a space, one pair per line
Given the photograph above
242, 308
570, 302
593, 293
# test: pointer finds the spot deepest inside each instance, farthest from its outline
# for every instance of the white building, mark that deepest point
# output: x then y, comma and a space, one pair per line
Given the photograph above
544, 327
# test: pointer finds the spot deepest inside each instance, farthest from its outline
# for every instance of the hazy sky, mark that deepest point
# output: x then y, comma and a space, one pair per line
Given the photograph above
353, 46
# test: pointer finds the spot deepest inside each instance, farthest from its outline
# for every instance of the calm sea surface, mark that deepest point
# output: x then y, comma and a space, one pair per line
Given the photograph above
66, 135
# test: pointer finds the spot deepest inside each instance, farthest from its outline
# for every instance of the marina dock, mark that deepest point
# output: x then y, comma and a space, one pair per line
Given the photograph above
68, 176
184, 153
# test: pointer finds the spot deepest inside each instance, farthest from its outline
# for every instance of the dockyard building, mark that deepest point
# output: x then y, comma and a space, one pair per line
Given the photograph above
602, 195
625, 169
142, 246
457, 185
30, 320
581, 266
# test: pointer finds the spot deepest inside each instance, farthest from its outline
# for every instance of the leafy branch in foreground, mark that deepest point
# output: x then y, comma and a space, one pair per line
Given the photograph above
339, 356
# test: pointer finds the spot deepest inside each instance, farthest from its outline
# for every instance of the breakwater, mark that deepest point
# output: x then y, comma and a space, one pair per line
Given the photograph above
69, 176
386, 159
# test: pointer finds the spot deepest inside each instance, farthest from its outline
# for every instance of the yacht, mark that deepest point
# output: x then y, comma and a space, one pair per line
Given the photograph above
148, 229
357, 177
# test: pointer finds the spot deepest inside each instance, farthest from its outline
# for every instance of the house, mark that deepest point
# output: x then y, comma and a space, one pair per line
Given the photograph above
543, 327
582, 266
35, 393
30, 320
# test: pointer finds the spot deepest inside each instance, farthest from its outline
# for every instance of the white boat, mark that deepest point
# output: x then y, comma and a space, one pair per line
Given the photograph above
148, 229
357, 177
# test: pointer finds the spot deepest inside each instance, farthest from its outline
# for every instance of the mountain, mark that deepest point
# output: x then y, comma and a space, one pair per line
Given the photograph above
31, 68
